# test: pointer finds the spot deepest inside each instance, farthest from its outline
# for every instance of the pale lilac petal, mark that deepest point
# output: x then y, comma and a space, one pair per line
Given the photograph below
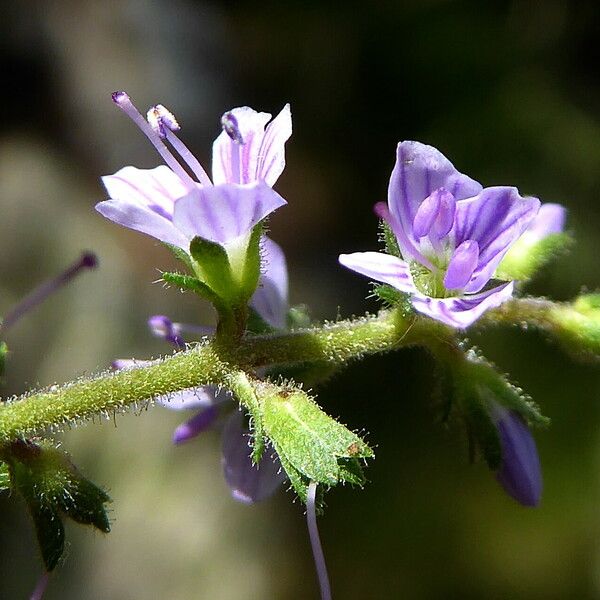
550, 219
224, 212
249, 483
156, 189
460, 312
461, 266
381, 267
162, 327
419, 170
271, 160
196, 425
520, 473
495, 219
235, 162
271, 297
129, 363
143, 219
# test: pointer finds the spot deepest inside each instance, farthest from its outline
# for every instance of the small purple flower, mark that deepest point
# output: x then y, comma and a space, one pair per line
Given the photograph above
168, 204
519, 473
452, 235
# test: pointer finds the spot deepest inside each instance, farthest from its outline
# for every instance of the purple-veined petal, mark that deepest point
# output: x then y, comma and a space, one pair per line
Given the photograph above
461, 266
224, 212
519, 473
196, 425
419, 170
156, 189
143, 219
249, 483
271, 160
549, 219
495, 219
462, 311
381, 267
260, 155
271, 297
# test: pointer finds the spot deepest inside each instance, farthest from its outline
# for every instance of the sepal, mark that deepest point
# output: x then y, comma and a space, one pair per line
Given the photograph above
311, 445
52, 488
211, 264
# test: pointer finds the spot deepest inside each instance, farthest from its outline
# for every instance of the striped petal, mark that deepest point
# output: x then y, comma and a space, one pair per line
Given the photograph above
462, 311
381, 267
224, 212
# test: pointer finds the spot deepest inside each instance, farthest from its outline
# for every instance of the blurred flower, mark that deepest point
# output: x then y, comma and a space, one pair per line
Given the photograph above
168, 204
451, 234
519, 473
549, 220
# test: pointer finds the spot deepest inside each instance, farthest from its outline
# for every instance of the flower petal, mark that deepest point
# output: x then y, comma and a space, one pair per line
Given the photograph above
381, 267
248, 482
271, 297
224, 212
462, 311
196, 425
550, 219
260, 156
520, 472
156, 189
419, 170
495, 219
143, 219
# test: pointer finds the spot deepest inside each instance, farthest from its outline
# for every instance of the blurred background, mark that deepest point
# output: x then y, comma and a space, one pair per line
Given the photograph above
509, 90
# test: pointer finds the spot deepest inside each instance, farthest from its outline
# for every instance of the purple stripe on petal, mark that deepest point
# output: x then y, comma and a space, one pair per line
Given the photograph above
520, 472
249, 483
460, 312
381, 267
271, 160
495, 219
196, 425
224, 212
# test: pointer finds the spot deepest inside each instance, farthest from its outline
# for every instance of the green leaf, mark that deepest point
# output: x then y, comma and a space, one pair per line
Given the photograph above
49, 531
525, 257
316, 446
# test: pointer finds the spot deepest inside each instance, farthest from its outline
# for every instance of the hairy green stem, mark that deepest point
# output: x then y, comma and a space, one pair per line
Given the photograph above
333, 344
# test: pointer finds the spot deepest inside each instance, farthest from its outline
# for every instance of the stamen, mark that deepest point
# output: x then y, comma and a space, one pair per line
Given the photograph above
88, 260
161, 120
122, 100
462, 265
315, 542
231, 127
383, 212
164, 124
40, 587
426, 215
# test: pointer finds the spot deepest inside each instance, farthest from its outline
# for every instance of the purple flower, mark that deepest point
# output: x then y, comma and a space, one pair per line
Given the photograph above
452, 234
519, 473
168, 204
